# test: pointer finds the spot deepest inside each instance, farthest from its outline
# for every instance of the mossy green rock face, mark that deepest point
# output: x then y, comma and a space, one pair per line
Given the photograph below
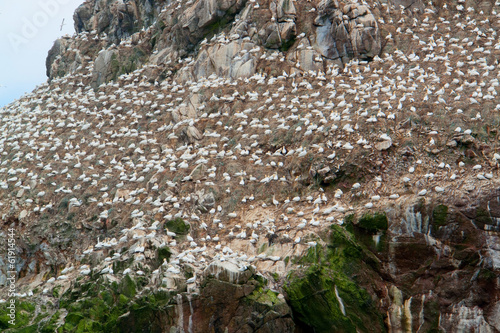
326, 297
23, 316
373, 223
178, 226
163, 253
370, 230
439, 215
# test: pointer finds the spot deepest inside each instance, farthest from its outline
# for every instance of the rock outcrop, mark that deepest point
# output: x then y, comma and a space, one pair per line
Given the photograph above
118, 19
346, 30
133, 33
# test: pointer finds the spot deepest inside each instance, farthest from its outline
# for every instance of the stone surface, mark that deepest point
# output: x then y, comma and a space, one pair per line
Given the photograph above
228, 272
227, 60
346, 30
383, 145
103, 67
118, 19
126, 33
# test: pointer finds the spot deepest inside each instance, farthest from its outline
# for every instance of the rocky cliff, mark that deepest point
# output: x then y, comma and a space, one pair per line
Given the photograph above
258, 166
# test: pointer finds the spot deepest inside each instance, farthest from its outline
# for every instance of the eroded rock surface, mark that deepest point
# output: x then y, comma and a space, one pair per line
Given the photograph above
220, 37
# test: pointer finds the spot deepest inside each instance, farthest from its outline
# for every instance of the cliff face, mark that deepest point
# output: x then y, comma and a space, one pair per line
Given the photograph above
140, 32
259, 166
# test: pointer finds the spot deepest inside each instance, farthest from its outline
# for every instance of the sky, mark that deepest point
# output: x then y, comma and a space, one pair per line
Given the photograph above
28, 29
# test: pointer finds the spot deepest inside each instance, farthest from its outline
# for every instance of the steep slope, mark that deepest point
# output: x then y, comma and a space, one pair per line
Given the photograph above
237, 166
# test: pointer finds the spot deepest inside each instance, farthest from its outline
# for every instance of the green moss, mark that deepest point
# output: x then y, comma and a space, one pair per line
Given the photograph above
144, 314
261, 280
287, 260
97, 309
74, 307
264, 296
4, 319
88, 325
313, 255
127, 287
178, 226
350, 219
72, 319
107, 298
373, 223
23, 315
123, 300
40, 317
366, 228
121, 265
483, 216
141, 281
314, 300
28, 329
27, 306
439, 215
311, 291
50, 327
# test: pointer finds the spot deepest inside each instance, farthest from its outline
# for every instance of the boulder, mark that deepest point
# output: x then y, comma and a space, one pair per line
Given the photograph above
383, 145
204, 200
285, 9
227, 60
104, 67
190, 134
307, 59
346, 31
23, 214
56, 49
280, 32
60, 61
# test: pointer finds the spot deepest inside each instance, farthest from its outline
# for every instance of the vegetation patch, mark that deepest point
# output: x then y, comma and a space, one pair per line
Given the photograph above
23, 315
439, 215
373, 223
163, 253
483, 217
178, 226
100, 306
370, 230
264, 296
325, 296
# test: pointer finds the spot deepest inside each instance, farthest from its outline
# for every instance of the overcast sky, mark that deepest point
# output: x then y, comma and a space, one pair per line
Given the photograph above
28, 28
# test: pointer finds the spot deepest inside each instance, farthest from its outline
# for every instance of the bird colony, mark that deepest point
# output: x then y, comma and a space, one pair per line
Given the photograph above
253, 168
